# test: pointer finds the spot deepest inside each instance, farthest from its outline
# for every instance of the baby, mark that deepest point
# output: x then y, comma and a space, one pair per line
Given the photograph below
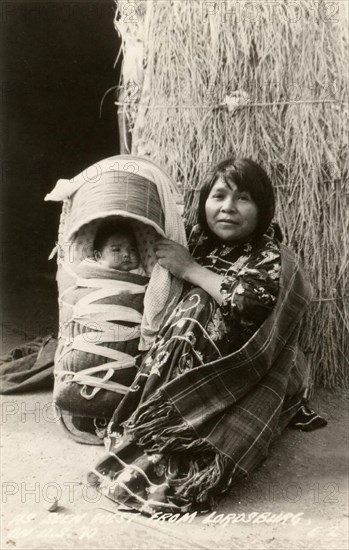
115, 247
105, 307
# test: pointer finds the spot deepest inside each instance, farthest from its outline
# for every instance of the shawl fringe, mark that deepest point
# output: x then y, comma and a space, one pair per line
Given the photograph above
157, 427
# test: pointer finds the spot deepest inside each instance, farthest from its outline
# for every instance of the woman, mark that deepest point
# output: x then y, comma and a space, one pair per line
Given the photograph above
225, 374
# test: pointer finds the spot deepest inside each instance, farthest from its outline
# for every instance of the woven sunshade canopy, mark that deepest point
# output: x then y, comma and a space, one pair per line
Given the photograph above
134, 197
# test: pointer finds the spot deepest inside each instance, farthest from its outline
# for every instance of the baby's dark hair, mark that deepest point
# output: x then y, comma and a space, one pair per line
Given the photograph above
109, 228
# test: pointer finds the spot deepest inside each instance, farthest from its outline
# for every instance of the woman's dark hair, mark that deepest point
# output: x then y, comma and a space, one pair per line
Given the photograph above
249, 176
109, 228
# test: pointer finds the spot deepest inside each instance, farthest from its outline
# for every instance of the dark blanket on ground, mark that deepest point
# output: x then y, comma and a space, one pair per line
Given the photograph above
28, 367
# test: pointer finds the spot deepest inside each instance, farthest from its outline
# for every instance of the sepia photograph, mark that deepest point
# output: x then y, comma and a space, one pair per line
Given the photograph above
174, 274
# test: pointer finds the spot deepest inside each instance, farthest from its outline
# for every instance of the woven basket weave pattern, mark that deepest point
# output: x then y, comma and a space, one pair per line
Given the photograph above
134, 196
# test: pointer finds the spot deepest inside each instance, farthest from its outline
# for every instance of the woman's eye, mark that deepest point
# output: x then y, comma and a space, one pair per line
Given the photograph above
244, 197
218, 196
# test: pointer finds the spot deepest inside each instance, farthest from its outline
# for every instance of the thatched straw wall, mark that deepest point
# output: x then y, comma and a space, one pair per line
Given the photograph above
285, 66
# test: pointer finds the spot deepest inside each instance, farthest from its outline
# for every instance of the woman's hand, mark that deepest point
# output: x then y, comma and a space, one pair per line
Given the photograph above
181, 264
175, 257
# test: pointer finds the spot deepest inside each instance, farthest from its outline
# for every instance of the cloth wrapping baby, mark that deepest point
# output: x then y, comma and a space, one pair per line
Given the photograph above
98, 352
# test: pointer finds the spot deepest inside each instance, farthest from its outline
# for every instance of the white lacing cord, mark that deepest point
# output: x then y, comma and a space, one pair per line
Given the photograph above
86, 313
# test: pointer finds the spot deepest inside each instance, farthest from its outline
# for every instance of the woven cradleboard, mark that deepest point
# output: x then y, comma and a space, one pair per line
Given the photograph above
105, 321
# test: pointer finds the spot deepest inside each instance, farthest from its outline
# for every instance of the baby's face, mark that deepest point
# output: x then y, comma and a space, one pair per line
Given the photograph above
119, 252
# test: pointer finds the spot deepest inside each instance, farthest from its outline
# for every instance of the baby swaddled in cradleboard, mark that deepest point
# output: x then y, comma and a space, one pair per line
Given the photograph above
113, 277
112, 293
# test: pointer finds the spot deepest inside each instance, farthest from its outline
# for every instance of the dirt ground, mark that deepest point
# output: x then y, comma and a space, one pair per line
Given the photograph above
304, 480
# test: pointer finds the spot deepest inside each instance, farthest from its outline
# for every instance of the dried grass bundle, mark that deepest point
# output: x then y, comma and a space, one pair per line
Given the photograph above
288, 62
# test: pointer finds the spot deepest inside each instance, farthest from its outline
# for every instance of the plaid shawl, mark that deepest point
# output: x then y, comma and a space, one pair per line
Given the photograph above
234, 407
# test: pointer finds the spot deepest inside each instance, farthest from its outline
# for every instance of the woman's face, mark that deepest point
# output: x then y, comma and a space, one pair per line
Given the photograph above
230, 214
